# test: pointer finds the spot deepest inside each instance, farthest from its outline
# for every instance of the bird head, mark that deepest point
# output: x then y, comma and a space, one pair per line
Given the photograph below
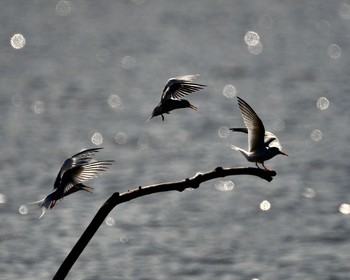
276, 151
156, 112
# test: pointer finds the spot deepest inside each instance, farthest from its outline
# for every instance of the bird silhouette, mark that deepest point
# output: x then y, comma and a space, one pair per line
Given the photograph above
262, 145
79, 168
174, 90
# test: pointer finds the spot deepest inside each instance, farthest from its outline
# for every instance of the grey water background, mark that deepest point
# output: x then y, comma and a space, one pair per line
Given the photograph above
91, 72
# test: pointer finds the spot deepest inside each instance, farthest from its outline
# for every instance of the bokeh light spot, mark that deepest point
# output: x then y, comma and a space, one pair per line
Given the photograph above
344, 208
323, 27
23, 210
3, 198
110, 221
124, 239
64, 8
128, 62
308, 193
251, 38
229, 91
103, 55
265, 21
322, 103
38, 107
120, 138
256, 49
334, 51
316, 135
142, 144
265, 205
114, 101
18, 41
344, 11
97, 138
17, 100
223, 132
224, 186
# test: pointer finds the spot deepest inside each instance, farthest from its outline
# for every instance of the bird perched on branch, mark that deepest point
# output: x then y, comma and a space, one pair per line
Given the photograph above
262, 145
174, 89
74, 171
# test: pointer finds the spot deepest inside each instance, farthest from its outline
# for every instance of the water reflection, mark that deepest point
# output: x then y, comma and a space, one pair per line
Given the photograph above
120, 138
3, 198
18, 41
128, 62
256, 49
265, 205
334, 51
265, 21
344, 11
110, 221
23, 209
344, 209
322, 103
251, 38
223, 132
64, 8
308, 193
229, 91
224, 185
38, 107
316, 135
97, 138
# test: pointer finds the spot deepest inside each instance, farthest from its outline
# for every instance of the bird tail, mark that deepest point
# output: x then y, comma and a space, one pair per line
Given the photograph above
87, 188
193, 107
233, 147
44, 204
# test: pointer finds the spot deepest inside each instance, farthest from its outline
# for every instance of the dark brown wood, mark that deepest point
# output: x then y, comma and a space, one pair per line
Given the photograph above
118, 198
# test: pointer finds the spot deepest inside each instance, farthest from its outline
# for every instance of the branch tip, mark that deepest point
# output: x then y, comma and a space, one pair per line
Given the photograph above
218, 169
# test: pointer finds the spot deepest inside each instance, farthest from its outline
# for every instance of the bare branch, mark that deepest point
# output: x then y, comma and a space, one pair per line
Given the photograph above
118, 198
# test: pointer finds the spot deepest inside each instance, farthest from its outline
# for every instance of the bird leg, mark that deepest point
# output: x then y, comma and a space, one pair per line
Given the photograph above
266, 169
52, 204
162, 117
257, 165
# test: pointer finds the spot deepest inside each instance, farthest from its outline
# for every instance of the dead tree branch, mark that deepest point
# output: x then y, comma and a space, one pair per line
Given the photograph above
118, 198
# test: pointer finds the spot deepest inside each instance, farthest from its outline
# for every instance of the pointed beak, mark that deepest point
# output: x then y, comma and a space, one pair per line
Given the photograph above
283, 153
149, 119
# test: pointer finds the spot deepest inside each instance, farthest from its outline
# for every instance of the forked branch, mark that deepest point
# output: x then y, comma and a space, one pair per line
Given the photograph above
118, 198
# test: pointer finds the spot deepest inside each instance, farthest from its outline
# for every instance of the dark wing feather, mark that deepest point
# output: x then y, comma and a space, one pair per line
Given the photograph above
256, 130
181, 86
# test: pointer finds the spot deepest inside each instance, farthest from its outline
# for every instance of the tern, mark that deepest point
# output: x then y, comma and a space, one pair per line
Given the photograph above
174, 90
74, 171
262, 145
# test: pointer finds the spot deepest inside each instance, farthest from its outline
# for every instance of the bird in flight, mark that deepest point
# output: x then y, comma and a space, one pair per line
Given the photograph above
174, 90
262, 145
75, 170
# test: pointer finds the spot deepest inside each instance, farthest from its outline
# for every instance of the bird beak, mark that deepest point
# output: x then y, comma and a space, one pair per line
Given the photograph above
282, 153
149, 119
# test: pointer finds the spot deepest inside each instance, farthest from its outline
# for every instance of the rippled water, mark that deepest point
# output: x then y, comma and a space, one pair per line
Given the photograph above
76, 74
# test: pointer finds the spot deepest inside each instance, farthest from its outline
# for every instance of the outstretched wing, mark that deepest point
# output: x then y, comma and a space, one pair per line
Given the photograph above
256, 130
78, 159
180, 86
268, 138
82, 173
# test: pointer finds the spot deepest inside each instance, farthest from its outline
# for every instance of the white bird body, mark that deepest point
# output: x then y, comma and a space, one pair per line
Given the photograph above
74, 171
262, 145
